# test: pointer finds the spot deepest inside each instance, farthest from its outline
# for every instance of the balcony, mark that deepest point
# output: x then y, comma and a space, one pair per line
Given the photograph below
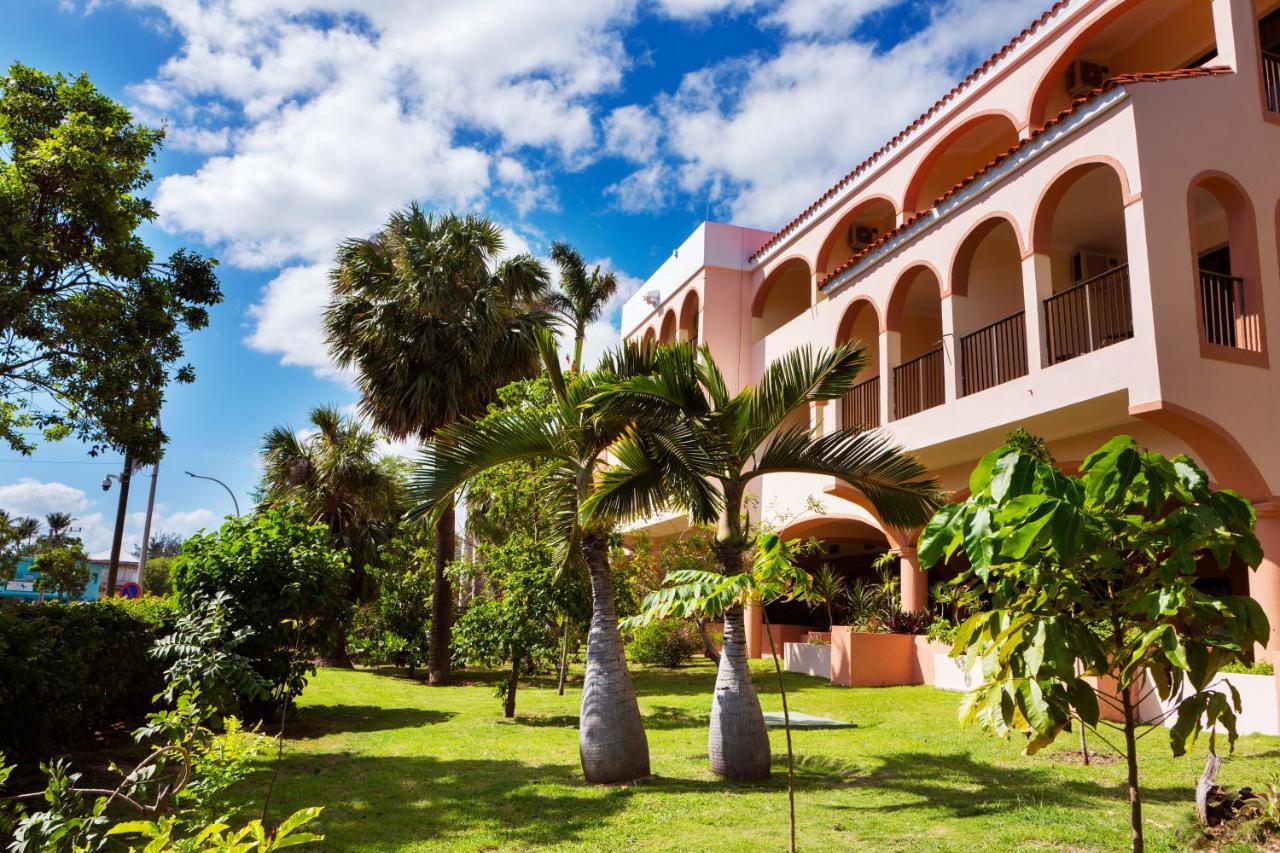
994, 355
1089, 316
860, 408
1222, 305
918, 384
1271, 80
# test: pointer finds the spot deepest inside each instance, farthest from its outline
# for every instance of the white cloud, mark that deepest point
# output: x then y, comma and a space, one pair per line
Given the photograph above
692, 9
35, 499
632, 132
287, 319
644, 190
824, 18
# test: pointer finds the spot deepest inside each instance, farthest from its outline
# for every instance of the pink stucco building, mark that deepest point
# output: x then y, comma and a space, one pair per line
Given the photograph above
1081, 238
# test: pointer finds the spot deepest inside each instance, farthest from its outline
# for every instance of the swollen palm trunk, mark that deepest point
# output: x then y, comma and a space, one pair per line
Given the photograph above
739, 742
611, 739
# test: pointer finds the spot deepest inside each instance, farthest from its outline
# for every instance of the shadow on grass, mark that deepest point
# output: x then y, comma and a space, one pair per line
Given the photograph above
313, 721
659, 718
965, 787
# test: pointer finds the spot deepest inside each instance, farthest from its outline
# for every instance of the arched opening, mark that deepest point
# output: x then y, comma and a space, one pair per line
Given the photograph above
689, 319
959, 155
860, 409
668, 333
1224, 237
848, 548
855, 231
1079, 225
914, 322
650, 337
1137, 36
1268, 12
990, 320
782, 297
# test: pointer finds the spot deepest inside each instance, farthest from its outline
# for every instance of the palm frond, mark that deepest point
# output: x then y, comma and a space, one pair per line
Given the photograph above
796, 379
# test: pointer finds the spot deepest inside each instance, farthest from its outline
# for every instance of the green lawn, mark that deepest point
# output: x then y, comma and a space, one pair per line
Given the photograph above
403, 766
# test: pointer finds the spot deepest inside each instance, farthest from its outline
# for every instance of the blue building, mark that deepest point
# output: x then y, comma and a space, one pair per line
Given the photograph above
22, 587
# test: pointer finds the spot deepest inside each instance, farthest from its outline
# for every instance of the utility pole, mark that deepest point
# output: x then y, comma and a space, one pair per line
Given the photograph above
146, 524
113, 572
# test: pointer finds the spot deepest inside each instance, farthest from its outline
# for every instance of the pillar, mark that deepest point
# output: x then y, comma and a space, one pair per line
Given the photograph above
1235, 26
753, 615
890, 355
1037, 286
915, 583
950, 351
1264, 582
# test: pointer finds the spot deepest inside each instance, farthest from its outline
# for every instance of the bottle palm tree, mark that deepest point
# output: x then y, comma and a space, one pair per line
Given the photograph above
574, 442
582, 296
763, 429
433, 324
58, 523
335, 474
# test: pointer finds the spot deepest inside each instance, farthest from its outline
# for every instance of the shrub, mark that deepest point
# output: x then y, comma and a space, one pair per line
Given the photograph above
68, 671
284, 584
1261, 667
942, 631
908, 621
666, 643
157, 575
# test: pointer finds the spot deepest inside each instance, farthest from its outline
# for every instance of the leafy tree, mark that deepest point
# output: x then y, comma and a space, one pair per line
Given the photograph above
582, 296
90, 321
830, 590
14, 541
1101, 569
283, 583
59, 523
574, 441
162, 545
334, 474
433, 324
157, 577
646, 562
690, 430
63, 567
514, 622
397, 622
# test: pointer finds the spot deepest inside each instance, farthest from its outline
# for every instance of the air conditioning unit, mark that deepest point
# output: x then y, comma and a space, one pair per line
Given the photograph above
1086, 265
861, 236
653, 297
833, 549
1083, 77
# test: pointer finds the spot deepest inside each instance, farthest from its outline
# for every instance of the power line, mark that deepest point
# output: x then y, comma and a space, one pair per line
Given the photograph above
55, 462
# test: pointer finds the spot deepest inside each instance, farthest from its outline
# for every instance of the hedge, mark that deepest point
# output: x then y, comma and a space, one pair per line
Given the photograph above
70, 670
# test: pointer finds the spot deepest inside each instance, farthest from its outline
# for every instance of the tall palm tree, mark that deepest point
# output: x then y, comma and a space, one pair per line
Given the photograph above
763, 429
58, 523
573, 443
27, 529
433, 324
582, 296
335, 474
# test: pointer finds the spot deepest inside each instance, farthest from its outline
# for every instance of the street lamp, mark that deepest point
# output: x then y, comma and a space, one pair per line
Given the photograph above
234, 502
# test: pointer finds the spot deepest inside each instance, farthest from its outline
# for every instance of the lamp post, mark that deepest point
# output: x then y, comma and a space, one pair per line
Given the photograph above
117, 538
234, 502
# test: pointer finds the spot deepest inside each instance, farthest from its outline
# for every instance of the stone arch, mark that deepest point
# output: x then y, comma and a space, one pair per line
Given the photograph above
784, 295
1226, 258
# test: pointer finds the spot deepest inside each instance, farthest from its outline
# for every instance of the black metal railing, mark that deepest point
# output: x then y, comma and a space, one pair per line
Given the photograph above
1089, 316
860, 408
1271, 80
1222, 305
918, 384
994, 354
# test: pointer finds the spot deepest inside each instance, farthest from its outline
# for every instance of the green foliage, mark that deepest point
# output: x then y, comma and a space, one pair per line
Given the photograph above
162, 545
90, 318
63, 567
203, 658
395, 627
667, 643
15, 536
88, 661
157, 577
253, 837
942, 631
283, 583
829, 589
1261, 667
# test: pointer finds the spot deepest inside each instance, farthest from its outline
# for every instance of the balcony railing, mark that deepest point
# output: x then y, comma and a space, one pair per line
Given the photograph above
1222, 304
918, 384
860, 408
1092, 315
1271, 80
994, 355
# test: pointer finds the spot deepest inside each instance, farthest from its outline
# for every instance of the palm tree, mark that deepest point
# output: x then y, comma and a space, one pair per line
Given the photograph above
763, 429
573, 443
27, 529
433, 324
335, 474
829, 588
58, 523
582, 296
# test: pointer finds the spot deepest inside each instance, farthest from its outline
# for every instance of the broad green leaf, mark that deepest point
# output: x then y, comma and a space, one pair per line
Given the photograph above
940, 535
1012, 476
980, 479
1184, 731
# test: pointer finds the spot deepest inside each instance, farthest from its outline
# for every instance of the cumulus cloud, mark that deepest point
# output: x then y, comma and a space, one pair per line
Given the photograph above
36, 499
632, 132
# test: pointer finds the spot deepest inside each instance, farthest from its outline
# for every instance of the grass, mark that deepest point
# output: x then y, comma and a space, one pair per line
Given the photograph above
402, 766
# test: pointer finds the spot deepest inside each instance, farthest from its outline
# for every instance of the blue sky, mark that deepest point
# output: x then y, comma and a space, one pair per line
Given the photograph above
615, 124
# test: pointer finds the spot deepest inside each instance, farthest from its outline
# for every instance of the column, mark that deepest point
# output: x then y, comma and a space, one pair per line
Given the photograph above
890, 355
1264, 582
1235, 26
1037, 286
915, 583
950, 351
753, 615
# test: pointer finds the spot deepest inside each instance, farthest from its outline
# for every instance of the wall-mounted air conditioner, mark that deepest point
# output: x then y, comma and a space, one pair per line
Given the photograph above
861, 236
1086, 265
1083, 77
653, 297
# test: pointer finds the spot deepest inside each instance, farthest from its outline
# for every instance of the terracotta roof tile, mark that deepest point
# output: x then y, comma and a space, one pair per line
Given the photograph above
1116, 82
1000, 54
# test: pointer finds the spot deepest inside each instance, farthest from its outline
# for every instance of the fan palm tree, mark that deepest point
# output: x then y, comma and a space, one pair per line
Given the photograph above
335, 474
762, 430
582, 296
433, 324
58, 523
27, 529
572, 443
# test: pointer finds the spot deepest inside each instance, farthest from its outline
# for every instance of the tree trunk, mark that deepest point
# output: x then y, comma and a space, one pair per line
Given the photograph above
564, 658
509, 710
708, 648
441, 650
1131, 759
739, 742
611, 738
